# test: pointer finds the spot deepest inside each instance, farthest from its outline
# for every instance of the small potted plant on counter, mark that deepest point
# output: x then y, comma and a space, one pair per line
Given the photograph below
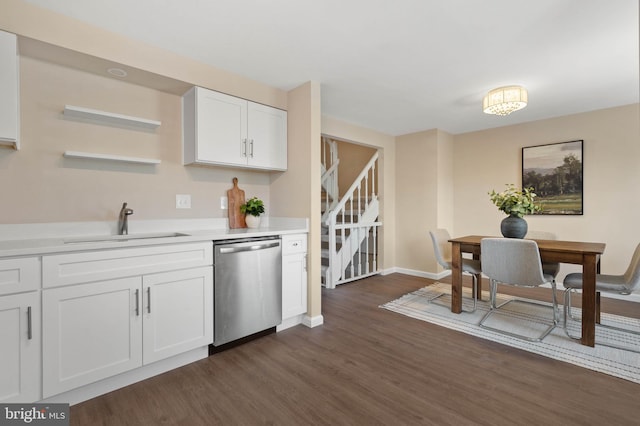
252, 209
515, 203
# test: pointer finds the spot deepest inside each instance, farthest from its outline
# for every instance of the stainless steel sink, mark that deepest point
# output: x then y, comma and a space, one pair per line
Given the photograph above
122, 238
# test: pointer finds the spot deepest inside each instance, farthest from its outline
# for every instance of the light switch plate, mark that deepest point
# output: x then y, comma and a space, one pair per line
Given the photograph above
183, 201
224, 203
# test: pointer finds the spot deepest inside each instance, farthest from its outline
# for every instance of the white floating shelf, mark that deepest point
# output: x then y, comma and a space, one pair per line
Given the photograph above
110, 117
107, 157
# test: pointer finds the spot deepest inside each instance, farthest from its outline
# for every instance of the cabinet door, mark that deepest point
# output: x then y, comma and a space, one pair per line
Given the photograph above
294, 285
267, 135
178, 312
20, 348
8, 90
221, 128
90, 332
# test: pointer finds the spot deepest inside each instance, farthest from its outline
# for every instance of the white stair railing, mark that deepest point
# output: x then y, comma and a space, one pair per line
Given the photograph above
353, 223
329, 180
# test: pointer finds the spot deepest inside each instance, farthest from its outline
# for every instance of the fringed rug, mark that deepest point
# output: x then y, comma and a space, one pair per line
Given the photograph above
432, 304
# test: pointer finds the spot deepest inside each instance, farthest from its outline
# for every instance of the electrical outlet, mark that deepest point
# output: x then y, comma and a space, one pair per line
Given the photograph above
224, 203
183, 201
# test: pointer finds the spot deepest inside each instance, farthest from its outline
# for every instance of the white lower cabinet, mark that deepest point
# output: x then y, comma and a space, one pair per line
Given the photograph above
20, 347
97, 330
294, 275
178, 315
111, 311
90, 332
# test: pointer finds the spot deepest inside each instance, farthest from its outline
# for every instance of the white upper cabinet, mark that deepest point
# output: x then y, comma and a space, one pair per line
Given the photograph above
219, 129
267, 137
8, 90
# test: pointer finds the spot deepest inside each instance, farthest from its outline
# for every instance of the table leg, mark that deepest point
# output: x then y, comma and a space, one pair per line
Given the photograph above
456, 278
589, 268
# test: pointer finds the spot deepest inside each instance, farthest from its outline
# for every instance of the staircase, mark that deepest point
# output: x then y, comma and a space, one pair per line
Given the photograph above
350, 224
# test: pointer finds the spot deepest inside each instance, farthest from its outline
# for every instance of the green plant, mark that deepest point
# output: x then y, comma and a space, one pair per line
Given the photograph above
254, 206
514, 201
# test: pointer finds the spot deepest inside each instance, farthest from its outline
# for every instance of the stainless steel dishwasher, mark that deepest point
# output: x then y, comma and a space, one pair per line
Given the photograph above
247, 287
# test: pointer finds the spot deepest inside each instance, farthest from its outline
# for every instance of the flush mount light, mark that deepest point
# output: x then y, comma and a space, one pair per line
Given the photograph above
118, 72
505, 100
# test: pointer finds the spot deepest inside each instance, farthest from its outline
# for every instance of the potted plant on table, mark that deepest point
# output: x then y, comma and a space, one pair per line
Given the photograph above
515, 203
252, 209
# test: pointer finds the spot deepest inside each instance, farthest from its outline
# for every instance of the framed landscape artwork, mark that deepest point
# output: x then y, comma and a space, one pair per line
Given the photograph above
554, 171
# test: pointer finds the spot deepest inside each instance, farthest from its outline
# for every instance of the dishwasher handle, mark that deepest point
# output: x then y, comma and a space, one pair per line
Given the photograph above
224, 250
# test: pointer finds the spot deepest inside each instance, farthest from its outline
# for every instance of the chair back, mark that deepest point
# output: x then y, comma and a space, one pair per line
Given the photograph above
632, 275
442, 247
512, 261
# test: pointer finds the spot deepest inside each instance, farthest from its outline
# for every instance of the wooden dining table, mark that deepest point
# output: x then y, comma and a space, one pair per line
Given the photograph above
579, 253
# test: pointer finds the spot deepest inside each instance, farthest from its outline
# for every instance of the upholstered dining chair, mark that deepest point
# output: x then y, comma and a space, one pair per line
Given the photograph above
442, 250
624, 284
549, 268
514, 262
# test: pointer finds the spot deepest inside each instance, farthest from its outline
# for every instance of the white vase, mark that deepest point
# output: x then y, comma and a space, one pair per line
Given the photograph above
252, 221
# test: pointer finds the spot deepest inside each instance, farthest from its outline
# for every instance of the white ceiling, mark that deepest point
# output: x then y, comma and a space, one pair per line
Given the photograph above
406, 65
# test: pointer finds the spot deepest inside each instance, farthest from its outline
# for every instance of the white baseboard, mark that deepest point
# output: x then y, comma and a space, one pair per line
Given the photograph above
290, 322
422, 274
313, 321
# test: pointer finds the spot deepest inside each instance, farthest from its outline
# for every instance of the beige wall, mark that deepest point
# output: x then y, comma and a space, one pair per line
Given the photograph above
489, 159
416, 199
296, 193
353, 158
387, 169
24, 19
42, 186
445, 181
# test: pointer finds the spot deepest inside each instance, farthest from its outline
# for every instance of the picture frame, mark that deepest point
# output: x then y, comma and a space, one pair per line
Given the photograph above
555, 172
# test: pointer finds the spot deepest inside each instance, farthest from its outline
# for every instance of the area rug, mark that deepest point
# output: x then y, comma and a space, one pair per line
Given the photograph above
432, 304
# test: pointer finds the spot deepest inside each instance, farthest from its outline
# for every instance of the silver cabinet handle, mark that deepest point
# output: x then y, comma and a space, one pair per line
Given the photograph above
148, 300
29, 329
137, 302
251, 146
244, 147
305, 261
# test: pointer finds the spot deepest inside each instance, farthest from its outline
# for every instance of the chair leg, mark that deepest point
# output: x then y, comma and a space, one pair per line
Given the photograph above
567, 316
555, 302
475, 295
493, 288
477, 291
474, 290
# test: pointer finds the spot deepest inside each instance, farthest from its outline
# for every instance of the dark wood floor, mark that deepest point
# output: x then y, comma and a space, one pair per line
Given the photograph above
370, 366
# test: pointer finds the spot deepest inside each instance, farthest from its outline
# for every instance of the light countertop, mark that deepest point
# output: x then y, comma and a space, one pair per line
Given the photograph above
148, 235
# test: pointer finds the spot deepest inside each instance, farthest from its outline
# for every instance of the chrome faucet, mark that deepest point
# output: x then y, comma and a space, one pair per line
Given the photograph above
123, 220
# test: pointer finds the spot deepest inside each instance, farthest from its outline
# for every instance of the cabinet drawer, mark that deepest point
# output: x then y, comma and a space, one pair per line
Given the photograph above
292, 244
74, 268
20, 274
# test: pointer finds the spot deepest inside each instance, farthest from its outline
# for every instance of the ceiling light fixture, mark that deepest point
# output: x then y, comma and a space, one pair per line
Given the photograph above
505, 100
118, 72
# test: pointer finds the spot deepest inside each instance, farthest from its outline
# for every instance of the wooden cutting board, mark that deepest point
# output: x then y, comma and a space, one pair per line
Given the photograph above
235, 197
